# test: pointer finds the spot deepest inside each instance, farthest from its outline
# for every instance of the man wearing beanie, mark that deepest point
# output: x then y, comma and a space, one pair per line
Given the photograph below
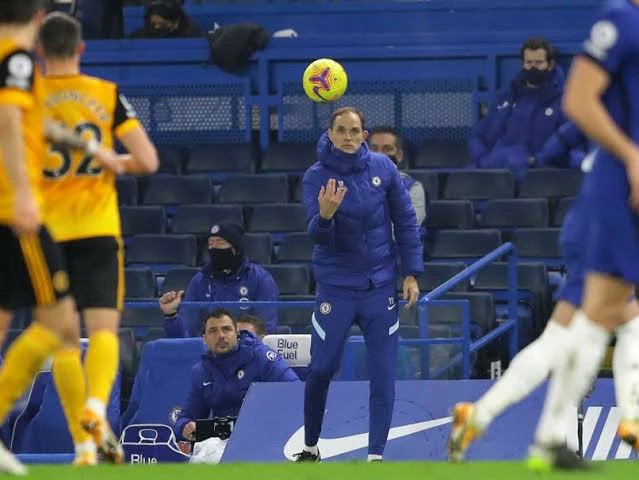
229, 276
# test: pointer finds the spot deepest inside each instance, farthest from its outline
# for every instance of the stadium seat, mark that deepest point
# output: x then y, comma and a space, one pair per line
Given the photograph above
442, 154
296, 247
255, 189
277, 218
140, 283
297, 318
291, 279
479, 185
481, 309
551, 182
178, 279
239, 158
127, 188
437, 273
140, 220
176, 190
430, 181
537, 243
448, 214
289, 157
259, 247
163, 380
172, 159
561, 209
199, 219
128, 364
142, 317
511, 213
162, 249
449, 244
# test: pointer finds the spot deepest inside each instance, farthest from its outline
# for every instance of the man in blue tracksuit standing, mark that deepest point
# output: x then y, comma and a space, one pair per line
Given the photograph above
353, 199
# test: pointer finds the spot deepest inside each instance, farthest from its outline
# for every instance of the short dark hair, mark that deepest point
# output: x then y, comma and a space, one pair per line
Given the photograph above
19, 12
217, 313
538, 43
257, 322
60, 35
343, 110
399, 141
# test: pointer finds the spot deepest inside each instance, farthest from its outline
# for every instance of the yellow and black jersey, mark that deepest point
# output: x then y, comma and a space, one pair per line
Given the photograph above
80, 199
18, 86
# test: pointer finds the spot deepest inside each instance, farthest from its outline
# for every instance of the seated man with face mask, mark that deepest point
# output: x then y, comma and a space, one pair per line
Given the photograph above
229, 276
525, 116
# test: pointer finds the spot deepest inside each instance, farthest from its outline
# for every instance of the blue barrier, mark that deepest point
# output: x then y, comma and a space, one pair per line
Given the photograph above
509, 326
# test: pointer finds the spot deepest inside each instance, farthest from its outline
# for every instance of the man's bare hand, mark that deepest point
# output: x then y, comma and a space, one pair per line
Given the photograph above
330, 198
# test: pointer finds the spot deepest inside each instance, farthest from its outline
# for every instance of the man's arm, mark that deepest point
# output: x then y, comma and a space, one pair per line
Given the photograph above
320, 230
418, 200
127, 128
406, 229
485, 134
267, 291
195, 407
274, 367
176, 325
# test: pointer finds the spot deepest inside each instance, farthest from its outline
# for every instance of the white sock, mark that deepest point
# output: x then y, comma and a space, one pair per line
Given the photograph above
625, 366
97, 406
372, 458
312, 449
585, 347
83, 447
526, 372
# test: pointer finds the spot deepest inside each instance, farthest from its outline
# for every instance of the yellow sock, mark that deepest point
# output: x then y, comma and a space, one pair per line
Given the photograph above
101, 365
23, 361
72, 389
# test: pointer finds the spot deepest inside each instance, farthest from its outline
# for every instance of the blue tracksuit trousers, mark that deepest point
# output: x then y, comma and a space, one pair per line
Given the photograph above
336, 310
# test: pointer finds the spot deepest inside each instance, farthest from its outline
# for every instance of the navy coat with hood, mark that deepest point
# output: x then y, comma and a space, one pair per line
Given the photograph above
355, 249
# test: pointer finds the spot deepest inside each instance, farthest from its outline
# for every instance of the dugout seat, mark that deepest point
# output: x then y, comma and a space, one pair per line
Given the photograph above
430, 181
560, 211
550, 182
162, 252
127, 188
479, 185
296, 247
172, 158
141, 220
289, 157
442, 154
449, 214
179, 278
139, 282
255, 189
178, 190
163, 381
236, 158
513, 213
277, 218
291, 279
198, 219
464, 244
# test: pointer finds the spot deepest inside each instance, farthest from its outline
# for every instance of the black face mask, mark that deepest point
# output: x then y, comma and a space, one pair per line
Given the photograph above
535, 76
224, 260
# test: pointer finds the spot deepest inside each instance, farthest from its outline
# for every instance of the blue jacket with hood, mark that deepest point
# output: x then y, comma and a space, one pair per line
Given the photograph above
355, 249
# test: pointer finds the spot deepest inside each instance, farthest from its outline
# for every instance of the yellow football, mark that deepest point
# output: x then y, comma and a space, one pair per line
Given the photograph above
324, 80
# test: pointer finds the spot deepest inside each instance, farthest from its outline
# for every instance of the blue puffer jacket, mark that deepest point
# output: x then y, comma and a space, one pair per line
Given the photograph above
519, 124
250, 283
355, 248
566, 149
219, 383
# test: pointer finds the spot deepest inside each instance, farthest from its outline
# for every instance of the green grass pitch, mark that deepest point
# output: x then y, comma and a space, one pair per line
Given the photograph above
329, 471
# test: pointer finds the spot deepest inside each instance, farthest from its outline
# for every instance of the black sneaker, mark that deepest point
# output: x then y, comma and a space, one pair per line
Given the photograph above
555, 457
306, 456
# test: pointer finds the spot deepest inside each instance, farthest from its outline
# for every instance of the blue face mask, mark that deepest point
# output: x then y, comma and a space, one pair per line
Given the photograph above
535, 76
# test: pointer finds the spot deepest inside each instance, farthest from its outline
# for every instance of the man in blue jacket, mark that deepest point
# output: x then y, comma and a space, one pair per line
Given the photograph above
525, 116
353, 199
230, 276
221, 379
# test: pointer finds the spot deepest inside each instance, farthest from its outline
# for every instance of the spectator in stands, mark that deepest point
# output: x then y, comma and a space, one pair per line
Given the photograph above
526, 115
387, 140
230, 276
167, 19
252, 324
221, 379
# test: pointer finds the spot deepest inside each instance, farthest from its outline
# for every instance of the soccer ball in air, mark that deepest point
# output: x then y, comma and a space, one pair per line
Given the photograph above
324, 80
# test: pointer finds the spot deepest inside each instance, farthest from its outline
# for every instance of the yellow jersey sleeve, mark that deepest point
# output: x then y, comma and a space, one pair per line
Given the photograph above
124, 117
16, 79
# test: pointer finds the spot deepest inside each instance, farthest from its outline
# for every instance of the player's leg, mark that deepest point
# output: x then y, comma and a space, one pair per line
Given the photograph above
605, 300
379, 321
31, 273
332, 319
5, 323
626, 373
99, 267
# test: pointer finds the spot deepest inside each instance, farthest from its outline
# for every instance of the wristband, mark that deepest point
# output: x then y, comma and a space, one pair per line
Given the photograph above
92, 147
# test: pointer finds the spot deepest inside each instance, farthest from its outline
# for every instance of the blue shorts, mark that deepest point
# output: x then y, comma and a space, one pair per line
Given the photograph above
573, 250
613, 242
